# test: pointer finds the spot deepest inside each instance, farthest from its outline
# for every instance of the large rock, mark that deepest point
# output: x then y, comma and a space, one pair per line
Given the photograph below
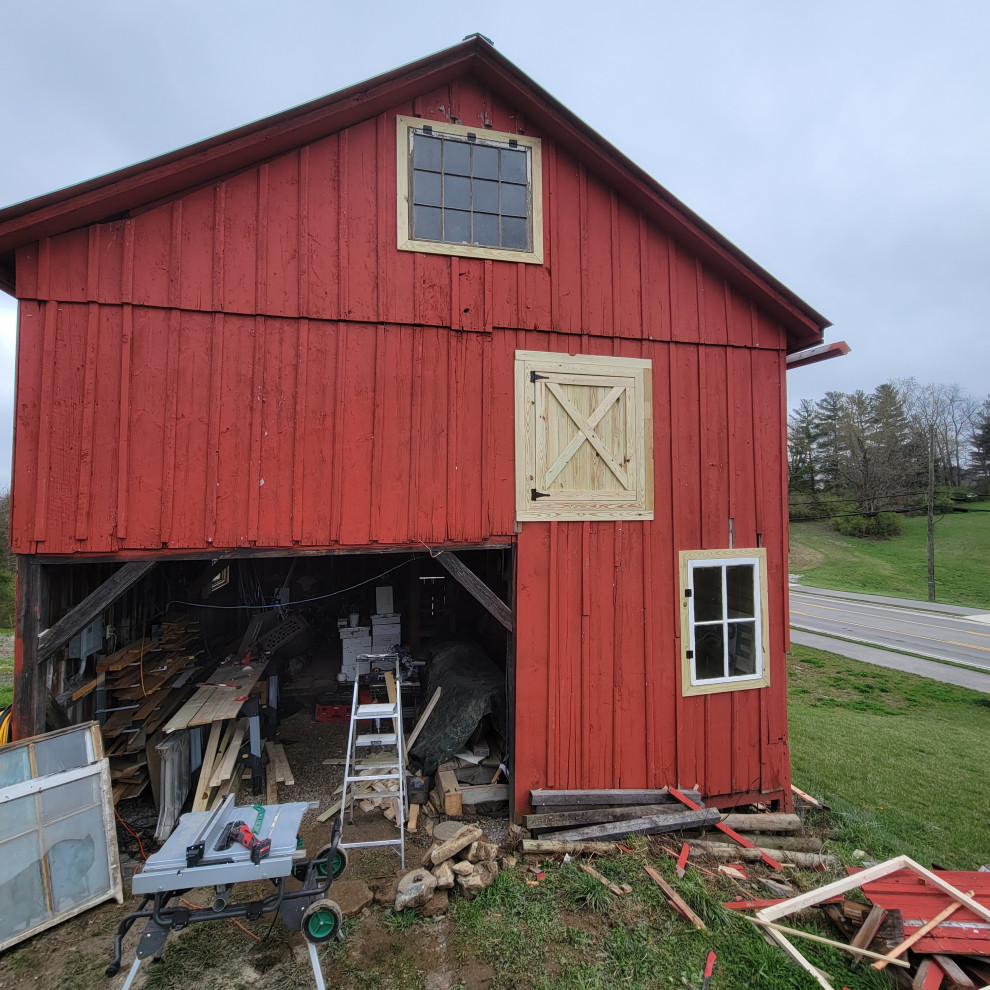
352, 896
437, 904
387, 888
444, 875
488, 870
471, 885
445, 830
415, 889
481, 850
514, 837
461, 839
462, 868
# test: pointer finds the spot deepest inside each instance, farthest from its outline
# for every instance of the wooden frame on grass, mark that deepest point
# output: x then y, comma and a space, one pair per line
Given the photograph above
814, 897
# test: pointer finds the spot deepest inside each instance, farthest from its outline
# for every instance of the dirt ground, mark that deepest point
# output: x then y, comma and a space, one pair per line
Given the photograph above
74, 954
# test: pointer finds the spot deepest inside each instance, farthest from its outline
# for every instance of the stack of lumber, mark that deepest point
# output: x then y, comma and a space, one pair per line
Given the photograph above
464, 784
145, 682
608, 815
220, 772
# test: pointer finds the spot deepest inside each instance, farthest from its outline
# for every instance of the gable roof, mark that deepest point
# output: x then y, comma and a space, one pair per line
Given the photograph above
117, 193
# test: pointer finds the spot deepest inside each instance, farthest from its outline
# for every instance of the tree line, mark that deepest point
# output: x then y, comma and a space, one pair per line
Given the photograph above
877, 447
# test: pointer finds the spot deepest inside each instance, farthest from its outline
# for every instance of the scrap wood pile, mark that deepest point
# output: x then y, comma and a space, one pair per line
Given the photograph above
145, 683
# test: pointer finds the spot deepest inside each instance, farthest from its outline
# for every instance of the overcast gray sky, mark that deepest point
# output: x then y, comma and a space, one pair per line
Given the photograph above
845, 146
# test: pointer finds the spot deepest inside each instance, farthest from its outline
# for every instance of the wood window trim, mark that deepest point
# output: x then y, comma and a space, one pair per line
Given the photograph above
633, 376
406, 242
688, 688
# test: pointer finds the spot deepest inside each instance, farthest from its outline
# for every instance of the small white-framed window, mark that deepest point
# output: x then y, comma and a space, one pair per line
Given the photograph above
584, 437
724, 632
468, 191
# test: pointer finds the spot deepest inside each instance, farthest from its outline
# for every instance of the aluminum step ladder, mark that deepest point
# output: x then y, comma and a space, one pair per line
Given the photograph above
384, 755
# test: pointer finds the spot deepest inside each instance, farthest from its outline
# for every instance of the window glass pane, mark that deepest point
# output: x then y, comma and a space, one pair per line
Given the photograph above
77, 858
709, 652
57, 802
59, 753
17, 816
456, 192
514, 200
513, 165
15, 765
486, 229
514, 232
427, 223
707, 593
456, 226
485, 162
739, 590
22, 886
742, 649
485, 196
426, 188
457, 157
426, 152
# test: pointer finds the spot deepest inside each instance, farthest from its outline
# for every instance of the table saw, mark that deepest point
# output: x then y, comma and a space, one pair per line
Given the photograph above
224, 848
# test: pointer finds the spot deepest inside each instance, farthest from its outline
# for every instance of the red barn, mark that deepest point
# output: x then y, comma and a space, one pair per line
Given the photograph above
433, 312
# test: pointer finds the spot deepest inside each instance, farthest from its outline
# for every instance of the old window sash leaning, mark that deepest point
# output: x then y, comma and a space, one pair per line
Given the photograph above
58, 840
584, 437
468, 191
724, 628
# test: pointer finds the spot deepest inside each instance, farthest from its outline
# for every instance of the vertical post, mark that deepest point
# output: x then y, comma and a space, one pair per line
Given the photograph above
29, 679
931, 513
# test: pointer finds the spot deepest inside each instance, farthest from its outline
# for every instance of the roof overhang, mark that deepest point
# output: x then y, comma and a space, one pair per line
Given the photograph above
118, 193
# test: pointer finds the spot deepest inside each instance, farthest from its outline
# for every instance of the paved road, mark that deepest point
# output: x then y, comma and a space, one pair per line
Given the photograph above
886, 630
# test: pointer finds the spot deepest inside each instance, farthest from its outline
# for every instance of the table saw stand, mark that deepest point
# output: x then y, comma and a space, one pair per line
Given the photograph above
201, 853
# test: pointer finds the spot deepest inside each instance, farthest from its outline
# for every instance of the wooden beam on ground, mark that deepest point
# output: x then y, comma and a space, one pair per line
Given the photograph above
648, 825
550, 847
682, 859
595, 816
676, 901
929, 976
869, 928
765, 822
418, 727
475, 586
725, 851
891, 957
959, 979
745, 843
608, 796
845, 946
807, 798
91, 606
482, 793
603, 880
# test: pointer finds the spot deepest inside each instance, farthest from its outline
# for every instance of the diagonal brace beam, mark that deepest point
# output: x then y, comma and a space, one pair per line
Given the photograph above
473, 584
91, 606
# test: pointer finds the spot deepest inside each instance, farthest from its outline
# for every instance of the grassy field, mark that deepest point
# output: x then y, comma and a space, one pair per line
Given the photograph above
901, 758
899, 567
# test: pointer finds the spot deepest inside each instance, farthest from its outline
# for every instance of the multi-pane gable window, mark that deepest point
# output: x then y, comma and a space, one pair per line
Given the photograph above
468, 191
724, 630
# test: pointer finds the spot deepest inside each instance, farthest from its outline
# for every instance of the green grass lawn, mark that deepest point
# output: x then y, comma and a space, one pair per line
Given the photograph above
899, 567
900, 758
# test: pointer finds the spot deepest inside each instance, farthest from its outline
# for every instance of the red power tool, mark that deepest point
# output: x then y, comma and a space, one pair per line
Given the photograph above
240, 832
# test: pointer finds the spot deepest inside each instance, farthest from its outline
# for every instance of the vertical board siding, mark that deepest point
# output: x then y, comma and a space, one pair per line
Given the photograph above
270, 371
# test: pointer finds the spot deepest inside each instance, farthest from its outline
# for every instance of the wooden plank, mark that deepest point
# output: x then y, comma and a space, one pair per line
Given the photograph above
869, 928
807, 798
769, 860
920, 933
608, 796
594, 816
475, 586
675, 899
203, 787
418, 727
225, 768
682, 859
480, 793
181, 718
929, 976
284, 770
552, 847
648, 825
603, 880
845, 946
953, 973
86, 689
450, 791
413, 822
330, 812
91, 606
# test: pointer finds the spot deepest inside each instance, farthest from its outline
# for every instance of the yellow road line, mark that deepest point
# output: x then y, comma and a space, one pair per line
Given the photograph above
908, 635
913, 622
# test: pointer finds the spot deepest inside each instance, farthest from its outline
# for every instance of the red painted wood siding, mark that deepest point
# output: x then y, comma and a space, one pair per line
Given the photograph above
255, 364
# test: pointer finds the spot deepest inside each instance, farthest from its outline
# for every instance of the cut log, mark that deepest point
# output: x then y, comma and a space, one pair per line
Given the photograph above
652, 825
764, 822
607, 797
675, 900
720, 850
552, 847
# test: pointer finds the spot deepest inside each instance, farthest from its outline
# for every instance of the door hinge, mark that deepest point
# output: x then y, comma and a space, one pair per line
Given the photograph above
689, 654
534, 377
534, 494
687, 592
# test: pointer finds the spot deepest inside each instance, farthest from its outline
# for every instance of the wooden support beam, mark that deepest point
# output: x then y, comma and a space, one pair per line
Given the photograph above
30, 693
475, 586
91, 606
